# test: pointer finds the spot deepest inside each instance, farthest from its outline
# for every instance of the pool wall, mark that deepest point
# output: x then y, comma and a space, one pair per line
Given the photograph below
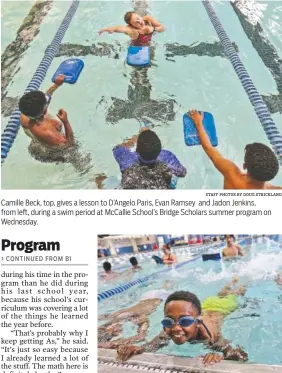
172, 364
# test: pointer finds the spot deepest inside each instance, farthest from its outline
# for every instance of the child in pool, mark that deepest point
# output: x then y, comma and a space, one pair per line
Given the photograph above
168, 257
185, 322
139, 29
260, 162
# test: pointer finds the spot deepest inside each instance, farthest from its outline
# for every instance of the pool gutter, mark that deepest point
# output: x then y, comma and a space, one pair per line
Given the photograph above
172, 364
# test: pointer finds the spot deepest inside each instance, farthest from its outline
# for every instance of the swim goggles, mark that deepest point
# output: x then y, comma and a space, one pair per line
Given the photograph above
184, 322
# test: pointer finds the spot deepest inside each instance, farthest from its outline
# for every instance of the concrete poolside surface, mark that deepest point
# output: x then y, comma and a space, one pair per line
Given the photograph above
158, 363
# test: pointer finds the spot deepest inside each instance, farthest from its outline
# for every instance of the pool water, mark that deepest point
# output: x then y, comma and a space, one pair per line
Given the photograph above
110, 99
256, 324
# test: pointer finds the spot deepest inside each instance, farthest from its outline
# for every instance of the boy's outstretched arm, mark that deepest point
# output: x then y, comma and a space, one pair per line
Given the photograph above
229, 352
58, 82
223, 165
127, 351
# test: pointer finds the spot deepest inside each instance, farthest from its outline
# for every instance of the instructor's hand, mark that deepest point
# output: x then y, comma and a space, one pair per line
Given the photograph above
110, 30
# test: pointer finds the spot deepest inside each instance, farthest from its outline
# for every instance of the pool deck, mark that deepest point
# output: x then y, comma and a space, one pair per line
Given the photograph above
171, 364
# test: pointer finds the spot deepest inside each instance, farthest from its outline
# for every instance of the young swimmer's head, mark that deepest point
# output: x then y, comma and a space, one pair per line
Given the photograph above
260, 162
134, 20
229, 239
149, 146
166, 249
33, 104
107, 266
178, 305
133, 261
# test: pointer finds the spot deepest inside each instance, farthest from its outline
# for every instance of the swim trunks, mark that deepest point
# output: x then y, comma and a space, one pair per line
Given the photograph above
224, 305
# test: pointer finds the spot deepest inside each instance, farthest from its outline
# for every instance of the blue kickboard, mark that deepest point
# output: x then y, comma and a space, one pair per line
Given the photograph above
206, 257
138, 56
190, 132
157, 259
71, 68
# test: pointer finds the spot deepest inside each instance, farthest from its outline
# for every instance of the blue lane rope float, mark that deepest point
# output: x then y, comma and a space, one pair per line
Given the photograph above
12, 128
124, 287
259, 105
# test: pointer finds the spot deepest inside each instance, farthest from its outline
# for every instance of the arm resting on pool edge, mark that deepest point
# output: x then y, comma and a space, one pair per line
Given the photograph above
224, 166
229, 353
125, 352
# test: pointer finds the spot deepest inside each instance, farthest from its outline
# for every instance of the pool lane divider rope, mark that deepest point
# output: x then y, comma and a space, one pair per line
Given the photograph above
121, 288
124, 287
256, 100
12, 128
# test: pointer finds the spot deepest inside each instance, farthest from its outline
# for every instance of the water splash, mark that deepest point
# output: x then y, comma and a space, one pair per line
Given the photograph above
262, 266
251, 9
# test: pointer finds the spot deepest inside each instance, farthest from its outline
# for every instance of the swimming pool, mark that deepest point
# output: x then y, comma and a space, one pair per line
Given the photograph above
256, 324
110, 99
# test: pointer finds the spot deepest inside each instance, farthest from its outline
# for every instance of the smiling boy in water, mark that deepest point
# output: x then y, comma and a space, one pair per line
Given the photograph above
185, 322
260, 162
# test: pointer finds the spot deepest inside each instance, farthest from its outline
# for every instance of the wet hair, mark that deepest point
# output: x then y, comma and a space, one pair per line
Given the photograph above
143, 177
149, 145
230, 235
32, 104
167, 246
107, 266
185, 296
133, 261
127, 17
261, 162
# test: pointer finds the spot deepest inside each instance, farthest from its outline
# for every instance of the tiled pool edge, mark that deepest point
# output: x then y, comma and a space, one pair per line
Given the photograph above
163, 363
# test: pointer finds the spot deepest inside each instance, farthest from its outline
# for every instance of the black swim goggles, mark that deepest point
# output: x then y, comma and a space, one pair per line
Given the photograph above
184, 322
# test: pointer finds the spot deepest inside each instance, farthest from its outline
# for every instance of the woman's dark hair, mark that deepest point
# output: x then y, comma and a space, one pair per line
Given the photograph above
261, 162
107, 266
166, 246
143, 177
133, 261
127, 17
149, 145
32, 104
185, 296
